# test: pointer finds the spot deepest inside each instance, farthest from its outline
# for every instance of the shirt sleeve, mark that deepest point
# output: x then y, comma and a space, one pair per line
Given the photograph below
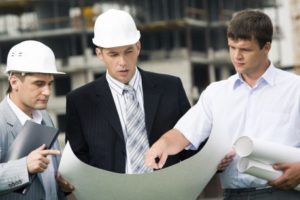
196, 124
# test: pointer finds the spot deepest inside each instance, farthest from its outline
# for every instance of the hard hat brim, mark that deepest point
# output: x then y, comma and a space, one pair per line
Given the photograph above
111, 44
36, 72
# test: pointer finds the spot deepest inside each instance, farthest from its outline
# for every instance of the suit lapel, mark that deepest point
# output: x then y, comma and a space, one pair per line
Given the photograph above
152, 94
106, 105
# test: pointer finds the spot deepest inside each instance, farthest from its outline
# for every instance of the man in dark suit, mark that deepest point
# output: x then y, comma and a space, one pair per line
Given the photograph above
98, 127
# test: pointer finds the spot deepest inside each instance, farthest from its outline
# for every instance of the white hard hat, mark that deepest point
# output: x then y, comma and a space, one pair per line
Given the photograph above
31, 56
115, 28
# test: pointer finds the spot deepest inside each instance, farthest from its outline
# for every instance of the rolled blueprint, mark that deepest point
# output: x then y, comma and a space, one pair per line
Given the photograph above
260, 170
265, 151
257, 157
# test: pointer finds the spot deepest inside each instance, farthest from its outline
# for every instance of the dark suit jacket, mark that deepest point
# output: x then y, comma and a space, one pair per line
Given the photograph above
94, 129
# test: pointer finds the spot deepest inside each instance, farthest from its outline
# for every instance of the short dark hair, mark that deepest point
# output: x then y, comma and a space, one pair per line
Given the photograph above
248, 24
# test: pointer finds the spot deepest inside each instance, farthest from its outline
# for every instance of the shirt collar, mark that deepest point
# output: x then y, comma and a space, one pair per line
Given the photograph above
268, 77
36, 114
118, 86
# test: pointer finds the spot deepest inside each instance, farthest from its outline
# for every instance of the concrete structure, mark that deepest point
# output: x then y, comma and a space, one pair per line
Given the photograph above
183, 38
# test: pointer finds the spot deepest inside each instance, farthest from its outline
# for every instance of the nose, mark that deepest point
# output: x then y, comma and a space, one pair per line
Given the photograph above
122, 61
47, 90
237, 55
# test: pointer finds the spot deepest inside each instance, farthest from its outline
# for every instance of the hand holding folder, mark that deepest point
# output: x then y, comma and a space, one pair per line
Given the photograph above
30, 138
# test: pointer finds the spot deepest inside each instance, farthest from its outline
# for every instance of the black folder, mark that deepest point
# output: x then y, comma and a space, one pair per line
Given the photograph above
31, 136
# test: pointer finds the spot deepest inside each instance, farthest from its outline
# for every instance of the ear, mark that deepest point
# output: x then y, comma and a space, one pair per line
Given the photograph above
138, 46
14, 82
267, 47
99, 53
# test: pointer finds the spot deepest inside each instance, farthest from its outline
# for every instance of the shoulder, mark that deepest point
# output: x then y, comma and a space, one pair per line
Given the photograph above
3, 109
222, 84
287, 78
89, 87
3, 104
281, 73
159, 78
6, 112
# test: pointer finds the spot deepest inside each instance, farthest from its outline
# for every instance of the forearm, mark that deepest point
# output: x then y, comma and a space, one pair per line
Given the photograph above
175, 141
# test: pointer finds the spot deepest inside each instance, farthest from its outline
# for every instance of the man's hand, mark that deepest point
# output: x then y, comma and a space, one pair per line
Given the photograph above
170, 143
64, 185
290, 177
156, 156
226, 160
37, 160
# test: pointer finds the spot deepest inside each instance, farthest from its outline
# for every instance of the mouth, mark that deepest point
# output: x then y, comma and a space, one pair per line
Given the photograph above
239, 64
45, 101
124, 70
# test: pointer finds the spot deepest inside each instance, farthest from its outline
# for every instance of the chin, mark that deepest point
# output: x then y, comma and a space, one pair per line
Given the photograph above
40, 107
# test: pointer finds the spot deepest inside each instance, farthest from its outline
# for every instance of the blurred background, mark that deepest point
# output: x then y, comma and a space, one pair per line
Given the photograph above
186, 38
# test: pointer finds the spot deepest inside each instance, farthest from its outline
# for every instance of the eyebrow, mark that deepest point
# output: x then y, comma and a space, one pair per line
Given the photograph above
114, 51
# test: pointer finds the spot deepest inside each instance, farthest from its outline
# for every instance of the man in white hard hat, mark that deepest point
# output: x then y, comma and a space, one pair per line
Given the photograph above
112, 121
30, 68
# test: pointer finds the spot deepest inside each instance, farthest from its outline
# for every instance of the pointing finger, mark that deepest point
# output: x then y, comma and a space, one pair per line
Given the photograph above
50, 152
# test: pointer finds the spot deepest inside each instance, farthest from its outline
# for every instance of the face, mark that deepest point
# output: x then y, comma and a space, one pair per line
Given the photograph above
31, 91
248, 58
120, 61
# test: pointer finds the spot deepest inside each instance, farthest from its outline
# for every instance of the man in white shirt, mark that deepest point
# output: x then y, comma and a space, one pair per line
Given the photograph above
260, 101
30, 68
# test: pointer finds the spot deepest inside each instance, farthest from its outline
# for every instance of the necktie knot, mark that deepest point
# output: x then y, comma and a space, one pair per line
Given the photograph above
128, 89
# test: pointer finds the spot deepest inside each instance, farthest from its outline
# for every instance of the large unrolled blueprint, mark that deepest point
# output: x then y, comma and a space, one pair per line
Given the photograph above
257, 157
184, 180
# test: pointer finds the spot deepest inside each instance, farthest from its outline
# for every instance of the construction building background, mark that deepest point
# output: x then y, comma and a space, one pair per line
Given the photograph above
186, 38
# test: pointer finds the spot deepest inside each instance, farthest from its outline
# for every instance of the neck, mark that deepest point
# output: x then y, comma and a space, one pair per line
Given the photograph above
251, 77
28, 111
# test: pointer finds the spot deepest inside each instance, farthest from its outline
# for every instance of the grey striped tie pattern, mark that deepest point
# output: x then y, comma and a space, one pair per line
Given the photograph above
137, 140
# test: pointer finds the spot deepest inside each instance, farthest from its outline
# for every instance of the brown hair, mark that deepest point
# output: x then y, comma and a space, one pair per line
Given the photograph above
248, 24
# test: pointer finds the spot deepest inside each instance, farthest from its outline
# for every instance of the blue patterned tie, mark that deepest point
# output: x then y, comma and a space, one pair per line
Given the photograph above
137, 140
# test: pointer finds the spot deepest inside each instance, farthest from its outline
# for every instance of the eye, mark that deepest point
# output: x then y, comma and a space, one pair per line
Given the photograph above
113, 54
129, 51
246, 50
39, 83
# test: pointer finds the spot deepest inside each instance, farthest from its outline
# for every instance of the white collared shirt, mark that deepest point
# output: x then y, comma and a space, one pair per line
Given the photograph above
270, 110
36, 114
116, 88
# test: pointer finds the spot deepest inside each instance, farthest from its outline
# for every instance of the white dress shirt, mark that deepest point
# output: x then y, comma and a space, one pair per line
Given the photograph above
116, 88
270, 110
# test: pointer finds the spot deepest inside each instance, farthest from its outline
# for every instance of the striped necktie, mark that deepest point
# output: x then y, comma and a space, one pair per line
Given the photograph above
137, 141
